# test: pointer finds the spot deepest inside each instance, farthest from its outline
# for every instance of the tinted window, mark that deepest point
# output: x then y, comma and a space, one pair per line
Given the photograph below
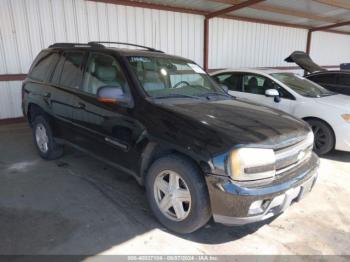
302, 85
256, 84
43, 66
343, 80
163, 77
71, 69
324, 79
232, 81
103, 70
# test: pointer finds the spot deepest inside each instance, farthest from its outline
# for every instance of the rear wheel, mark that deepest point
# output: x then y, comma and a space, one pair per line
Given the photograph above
177, 194
44, 140
324, 137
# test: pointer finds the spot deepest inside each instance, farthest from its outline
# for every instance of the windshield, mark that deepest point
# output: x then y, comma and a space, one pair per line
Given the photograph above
174, 78
302, 85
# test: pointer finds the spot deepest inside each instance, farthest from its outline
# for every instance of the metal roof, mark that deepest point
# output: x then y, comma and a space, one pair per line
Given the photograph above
299, 13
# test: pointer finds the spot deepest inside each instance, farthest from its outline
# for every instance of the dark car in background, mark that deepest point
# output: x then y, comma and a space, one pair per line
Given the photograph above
199, 152
337, 81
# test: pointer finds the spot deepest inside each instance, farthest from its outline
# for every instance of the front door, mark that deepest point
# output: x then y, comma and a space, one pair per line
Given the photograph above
107, 130
252, 87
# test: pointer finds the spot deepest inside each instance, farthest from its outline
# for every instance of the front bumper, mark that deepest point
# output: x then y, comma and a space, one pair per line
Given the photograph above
238, 204
342, 137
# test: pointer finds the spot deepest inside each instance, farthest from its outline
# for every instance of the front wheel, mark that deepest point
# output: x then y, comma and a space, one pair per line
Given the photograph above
177, 194
324, 137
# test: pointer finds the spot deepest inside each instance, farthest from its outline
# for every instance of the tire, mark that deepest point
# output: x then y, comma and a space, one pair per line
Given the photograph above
42, 134
190, 183
324, 136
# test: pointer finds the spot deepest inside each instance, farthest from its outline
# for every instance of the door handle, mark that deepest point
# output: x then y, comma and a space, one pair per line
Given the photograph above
81, 105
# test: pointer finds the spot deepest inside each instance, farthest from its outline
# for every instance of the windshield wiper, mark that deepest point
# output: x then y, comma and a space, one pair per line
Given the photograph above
176, 96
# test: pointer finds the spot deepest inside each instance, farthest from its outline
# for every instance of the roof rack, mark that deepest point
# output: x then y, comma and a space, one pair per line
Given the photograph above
65, 45
122, 43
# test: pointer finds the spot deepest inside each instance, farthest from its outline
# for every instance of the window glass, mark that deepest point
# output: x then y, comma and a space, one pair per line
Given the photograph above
71, 72
343, 80
103, 70
324, 79
57, 73
256, 84
302, 85
232, 81
44, 65
163, 77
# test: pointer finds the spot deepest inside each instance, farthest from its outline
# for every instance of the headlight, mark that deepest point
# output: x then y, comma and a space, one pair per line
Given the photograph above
310, 138
252, 164
346, 117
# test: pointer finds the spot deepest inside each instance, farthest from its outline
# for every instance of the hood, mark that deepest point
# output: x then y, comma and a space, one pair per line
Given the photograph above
304, 61
341, 102
224, 124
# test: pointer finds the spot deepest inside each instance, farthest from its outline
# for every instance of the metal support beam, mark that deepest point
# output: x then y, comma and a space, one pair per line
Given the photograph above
308, 42
206, 44
323, 28
233, 8
220, 13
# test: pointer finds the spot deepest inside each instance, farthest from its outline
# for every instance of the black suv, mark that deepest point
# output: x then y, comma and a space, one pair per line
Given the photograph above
199, 152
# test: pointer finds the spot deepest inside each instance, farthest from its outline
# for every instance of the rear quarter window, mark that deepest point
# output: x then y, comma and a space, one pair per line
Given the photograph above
343, 79
43, 65
324, 79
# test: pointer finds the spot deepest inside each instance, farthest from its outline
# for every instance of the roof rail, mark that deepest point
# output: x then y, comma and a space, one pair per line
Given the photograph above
65, 45
122, 43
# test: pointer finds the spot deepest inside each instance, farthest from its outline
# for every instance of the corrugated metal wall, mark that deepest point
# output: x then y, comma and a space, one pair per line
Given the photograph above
330, 49
244, 44
27, 26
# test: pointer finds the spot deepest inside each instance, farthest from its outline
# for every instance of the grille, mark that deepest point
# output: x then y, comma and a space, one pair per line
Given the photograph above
292, 156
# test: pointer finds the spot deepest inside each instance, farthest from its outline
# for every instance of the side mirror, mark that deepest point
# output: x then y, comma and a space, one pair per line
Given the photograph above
273, 93
111, 95
224, 87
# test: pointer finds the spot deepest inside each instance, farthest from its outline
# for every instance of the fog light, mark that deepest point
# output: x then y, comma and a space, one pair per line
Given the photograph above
256, 207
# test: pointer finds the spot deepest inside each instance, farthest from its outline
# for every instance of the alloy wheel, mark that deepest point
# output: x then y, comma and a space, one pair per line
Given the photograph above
41, 137
172, 195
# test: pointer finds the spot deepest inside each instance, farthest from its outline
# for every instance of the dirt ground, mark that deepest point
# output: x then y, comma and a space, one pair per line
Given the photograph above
78, 205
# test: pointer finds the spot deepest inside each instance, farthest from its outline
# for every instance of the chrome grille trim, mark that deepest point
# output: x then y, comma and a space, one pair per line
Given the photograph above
290, 157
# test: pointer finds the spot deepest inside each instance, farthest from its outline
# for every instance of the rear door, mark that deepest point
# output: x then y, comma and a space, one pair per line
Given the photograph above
106, 130
65, 82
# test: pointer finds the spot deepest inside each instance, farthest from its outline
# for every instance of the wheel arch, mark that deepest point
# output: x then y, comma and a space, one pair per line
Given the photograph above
32, 111
155, 151
323, 121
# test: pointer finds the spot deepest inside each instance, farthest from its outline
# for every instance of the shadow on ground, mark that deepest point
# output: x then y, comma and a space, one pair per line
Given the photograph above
338, 156
75, 205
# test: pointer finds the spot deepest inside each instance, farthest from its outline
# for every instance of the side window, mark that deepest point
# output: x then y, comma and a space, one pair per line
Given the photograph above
343, 80
103, 70
232, 81
324, 79
256, 84
68, 72
284, 93
43, 66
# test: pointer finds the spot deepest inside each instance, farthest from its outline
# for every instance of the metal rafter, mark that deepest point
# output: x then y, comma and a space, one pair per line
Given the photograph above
327, 27
335, 3
284, 11
233, 8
